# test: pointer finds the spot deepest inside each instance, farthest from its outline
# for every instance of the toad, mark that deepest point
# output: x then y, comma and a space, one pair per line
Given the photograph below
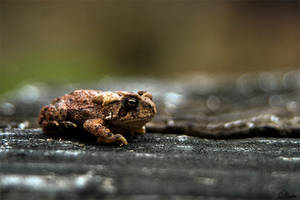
107, 115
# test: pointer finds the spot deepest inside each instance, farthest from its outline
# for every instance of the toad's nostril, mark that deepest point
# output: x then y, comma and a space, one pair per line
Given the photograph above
148, 94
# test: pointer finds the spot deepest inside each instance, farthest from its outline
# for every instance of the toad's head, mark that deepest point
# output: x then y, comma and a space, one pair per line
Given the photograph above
128, 110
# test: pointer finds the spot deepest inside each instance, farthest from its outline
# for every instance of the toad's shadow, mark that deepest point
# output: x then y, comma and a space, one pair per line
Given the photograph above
84, 137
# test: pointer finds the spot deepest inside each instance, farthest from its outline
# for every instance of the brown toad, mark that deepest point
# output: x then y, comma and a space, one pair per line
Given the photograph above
106, 115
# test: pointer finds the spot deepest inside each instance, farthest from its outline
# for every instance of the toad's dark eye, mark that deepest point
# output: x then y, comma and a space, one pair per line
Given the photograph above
130, 103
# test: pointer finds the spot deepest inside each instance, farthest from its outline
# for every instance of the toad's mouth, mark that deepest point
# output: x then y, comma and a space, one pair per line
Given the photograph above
130, 122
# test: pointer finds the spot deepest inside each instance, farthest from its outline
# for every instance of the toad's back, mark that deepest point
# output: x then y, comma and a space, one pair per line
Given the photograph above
77, 100
80, 106
75, 107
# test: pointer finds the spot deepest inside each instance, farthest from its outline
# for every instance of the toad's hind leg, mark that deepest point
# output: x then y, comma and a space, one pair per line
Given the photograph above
97, 128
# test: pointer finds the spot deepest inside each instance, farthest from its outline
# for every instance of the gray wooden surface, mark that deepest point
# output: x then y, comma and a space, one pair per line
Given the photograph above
37, 165
233, 164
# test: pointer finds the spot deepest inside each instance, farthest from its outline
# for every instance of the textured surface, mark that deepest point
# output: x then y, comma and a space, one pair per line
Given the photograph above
235, 164
34, 164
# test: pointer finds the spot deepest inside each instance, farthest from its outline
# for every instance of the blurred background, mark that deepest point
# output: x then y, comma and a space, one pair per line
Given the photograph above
63, 41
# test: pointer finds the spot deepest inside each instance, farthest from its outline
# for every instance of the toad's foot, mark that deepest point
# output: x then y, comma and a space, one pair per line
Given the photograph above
68, 124
56, 126
51, 126
138, 131
113, 138
97, 127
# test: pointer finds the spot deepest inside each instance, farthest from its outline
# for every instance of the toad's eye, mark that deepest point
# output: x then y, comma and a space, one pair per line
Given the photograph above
130, 103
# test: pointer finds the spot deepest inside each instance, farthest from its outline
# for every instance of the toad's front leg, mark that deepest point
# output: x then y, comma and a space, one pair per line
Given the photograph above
97, 128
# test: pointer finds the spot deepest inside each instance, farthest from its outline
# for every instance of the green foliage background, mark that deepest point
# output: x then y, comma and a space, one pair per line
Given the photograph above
76, 40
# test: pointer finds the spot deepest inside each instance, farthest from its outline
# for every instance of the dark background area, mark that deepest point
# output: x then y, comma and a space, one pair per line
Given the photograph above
76, 41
